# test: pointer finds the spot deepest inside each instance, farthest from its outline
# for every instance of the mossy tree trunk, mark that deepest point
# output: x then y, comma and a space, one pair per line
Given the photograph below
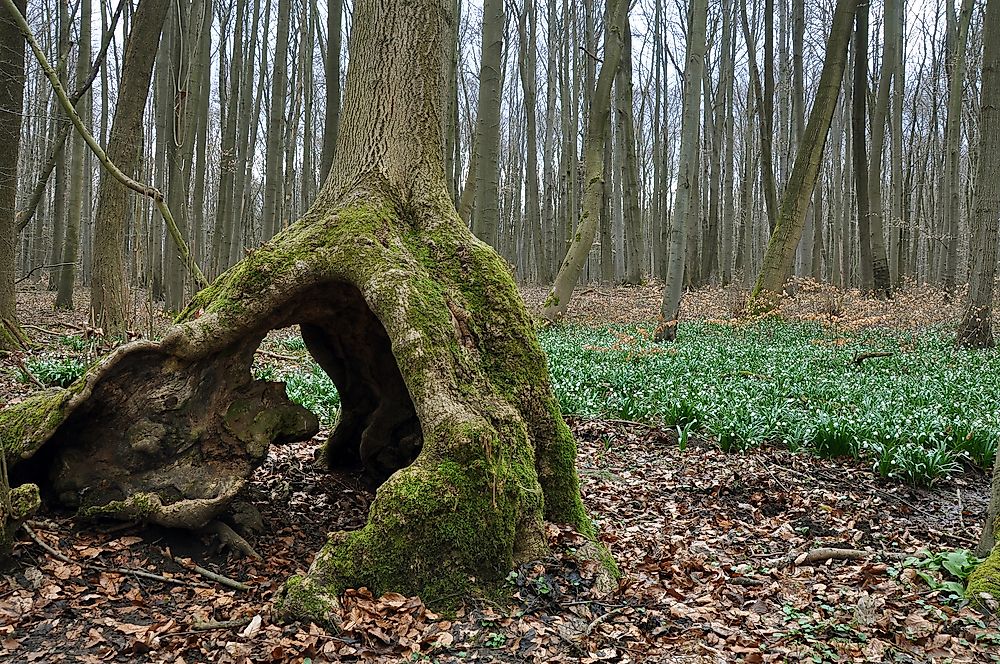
780, 255
976, 324
446, 399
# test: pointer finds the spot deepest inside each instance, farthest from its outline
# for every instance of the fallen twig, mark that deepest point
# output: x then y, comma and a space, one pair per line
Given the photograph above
823, 554
209, 625
599, 619
101, 568
213, 576
276, 356
19, 361
861, 357
42, 330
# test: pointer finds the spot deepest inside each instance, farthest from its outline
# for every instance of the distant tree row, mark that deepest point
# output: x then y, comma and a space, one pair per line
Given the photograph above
564, 124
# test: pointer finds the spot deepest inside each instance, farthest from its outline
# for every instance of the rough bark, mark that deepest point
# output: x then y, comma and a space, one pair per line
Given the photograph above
572, 265
780, 256
975, 329
11, 102
108, 288
444, 386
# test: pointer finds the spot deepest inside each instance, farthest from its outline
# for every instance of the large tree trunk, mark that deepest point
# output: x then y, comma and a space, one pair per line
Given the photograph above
976, 327
445, 395
11, 101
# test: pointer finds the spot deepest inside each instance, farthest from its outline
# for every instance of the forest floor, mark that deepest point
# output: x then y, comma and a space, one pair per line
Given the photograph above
714, 550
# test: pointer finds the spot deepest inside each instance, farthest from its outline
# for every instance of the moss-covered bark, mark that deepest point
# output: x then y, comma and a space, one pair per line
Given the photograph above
446, 401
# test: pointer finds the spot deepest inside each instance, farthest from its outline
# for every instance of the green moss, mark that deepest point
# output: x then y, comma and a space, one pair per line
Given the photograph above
24, 426
137, 507
444, 531
302, 598
24, 501
985, 578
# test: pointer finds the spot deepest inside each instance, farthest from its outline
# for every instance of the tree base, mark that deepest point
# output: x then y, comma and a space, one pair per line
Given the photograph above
445, 398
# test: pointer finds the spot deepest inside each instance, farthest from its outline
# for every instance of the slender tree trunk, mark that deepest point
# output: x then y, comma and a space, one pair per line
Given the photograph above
273, 166
859, 150
331, 127
12, 78
486, 221
685, 213
108, 288
558, 300
958, 36
765, 110
780, 256
880, 261
631, 212
527, 23
78, 172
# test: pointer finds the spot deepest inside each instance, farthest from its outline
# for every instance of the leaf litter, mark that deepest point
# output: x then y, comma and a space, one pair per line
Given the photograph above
705, 541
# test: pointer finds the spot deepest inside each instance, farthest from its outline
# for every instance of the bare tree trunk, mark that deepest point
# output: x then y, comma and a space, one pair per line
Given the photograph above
780, 256
273, 166
958, 36
975, 329
78, 171
108, 288
558, 299
631, 213
859, 150
685, 213
880, 261
331, 127
11, 103
486, 220
527, 25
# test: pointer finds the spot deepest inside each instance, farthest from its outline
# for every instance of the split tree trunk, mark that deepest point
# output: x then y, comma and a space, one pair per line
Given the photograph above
445, 394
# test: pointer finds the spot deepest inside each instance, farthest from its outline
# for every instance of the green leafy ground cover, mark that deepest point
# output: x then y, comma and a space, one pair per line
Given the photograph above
917, 415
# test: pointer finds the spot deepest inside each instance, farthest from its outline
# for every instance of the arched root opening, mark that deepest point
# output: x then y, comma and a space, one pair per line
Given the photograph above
445, 393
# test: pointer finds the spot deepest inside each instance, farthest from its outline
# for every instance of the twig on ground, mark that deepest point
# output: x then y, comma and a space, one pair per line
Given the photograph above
42, 330
276, 356
599, 619
19, 361
823, 554
213, 576
745, 581
101, 568
861, 357
210, 625
230, 538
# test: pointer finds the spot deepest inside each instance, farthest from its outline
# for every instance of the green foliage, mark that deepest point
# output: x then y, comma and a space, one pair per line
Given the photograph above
916, 415
55, 371
308, 386
946, 571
